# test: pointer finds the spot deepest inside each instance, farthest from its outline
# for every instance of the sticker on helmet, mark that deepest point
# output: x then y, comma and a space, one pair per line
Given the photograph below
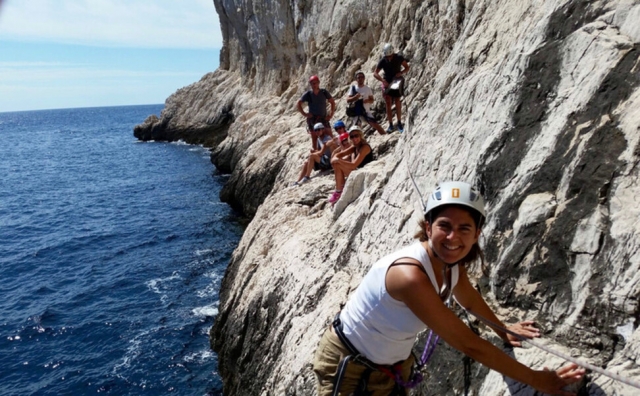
455, 193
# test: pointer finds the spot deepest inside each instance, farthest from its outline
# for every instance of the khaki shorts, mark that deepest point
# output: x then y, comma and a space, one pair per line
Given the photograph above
325, 364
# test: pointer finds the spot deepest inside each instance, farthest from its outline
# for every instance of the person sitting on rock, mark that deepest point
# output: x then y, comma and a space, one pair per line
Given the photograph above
344, 144
347, 160
361, 96
316, 99
395, 66
340, 127
318, 159
367, 349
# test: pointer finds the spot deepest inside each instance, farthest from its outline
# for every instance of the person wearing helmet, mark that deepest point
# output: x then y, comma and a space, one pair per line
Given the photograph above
361, 96
409, 290
394, 66
316, 99
318, 159
340, 127
347, 160
344, 144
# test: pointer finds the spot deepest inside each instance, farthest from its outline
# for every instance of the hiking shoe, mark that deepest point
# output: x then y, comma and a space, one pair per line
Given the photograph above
335, 196
400, 127
390, 129
299, 182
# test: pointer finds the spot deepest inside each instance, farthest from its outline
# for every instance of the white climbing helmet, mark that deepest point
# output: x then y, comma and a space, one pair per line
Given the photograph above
456, 193
387, 49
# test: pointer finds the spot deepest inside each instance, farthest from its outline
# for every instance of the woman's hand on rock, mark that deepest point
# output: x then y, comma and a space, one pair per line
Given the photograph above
554, 382
526, 329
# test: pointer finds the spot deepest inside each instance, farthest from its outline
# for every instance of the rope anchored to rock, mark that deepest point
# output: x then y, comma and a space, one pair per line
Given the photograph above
561, 355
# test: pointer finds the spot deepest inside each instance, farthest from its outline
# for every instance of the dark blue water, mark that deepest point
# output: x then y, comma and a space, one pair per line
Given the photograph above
111, 256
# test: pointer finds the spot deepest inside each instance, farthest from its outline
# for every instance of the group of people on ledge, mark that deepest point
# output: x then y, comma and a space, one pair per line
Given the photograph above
350, 150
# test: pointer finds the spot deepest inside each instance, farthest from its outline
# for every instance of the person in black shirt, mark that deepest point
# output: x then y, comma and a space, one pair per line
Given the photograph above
316, 99
394, 66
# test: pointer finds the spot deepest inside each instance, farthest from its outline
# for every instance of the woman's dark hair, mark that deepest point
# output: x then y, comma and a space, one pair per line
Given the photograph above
476, 251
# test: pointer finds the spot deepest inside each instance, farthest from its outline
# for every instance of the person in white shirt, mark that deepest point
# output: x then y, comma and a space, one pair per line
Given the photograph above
361, 96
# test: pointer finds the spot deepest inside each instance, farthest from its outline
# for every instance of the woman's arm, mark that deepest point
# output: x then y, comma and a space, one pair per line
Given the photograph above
405, 69
468, 297
411, 286
365, 149
344, 153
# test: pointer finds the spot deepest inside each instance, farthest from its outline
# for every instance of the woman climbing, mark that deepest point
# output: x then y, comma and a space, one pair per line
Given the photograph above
368, 346
347, 160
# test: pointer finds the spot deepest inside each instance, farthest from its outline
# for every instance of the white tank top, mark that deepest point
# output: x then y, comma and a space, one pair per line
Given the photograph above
380, 327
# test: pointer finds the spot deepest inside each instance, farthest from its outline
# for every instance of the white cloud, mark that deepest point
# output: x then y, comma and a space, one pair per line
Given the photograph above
118, 23
30, 73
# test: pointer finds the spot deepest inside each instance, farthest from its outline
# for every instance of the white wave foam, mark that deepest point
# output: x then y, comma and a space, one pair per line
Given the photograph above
202, 252
212, 288
157, 285
209, 291
199, 356
133, 351
206, 311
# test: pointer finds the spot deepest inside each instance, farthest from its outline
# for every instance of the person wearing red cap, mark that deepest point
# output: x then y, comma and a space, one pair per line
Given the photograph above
344, 144
316, 99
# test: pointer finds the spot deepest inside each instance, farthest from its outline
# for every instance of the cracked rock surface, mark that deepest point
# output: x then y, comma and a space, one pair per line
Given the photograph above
535, 102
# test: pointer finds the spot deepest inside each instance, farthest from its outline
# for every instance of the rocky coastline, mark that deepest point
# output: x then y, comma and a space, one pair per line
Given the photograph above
535, 102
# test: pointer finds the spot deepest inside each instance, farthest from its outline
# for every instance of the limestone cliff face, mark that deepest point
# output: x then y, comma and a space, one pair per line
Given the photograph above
535, 102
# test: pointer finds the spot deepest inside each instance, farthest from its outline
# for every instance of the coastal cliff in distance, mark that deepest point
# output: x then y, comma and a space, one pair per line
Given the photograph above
535, 102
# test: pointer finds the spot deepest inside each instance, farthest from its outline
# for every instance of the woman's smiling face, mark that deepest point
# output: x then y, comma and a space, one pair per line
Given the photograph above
452, 234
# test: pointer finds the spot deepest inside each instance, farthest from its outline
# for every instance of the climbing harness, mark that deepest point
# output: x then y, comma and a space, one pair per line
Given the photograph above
392, 371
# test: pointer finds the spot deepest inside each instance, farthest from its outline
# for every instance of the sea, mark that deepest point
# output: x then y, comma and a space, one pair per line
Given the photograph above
112, 253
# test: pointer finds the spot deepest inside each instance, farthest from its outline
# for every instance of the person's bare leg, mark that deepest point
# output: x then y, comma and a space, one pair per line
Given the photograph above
337, 171
345, 174
377, 127
387, 102
341, 172
303, 171
312, 160
399, 110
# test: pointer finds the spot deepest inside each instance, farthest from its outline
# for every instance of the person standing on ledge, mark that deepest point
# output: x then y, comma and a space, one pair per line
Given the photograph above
395, 66
368, 346
316, 99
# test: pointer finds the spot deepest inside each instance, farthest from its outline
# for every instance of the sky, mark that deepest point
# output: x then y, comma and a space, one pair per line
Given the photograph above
89, 53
